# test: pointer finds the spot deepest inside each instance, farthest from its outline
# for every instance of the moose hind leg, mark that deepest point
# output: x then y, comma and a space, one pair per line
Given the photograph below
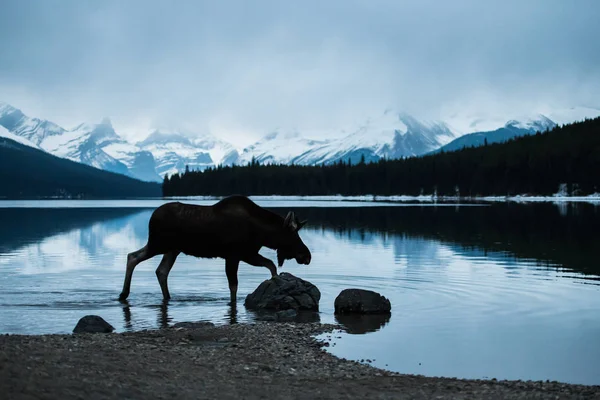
259, 261
133, 259
162, 272
231, 269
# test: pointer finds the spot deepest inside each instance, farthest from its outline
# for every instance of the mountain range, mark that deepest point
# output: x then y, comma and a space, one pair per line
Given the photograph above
389, 135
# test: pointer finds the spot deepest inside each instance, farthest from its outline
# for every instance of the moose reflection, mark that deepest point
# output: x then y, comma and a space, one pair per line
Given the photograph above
234, 229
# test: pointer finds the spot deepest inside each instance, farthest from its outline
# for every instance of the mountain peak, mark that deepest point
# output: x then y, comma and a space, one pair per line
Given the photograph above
158, 137
6, 109
538, 122
106, 121
281, 134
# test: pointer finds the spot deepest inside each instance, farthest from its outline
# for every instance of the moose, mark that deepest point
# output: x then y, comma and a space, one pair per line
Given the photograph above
235, 229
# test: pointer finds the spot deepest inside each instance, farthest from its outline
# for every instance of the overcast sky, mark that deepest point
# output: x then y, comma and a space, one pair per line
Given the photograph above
239, 69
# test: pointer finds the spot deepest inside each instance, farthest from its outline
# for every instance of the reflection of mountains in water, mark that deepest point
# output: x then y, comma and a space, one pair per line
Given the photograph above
567, 236
542, 232
23, 226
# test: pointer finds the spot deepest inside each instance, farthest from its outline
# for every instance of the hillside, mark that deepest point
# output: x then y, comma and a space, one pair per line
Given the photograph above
564, 159
27, 172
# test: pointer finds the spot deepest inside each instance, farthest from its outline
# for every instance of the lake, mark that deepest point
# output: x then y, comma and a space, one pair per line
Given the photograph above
503, 290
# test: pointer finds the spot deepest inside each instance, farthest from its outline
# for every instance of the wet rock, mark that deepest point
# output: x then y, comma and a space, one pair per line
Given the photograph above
93, 324
286, 315
283, 292
360, 301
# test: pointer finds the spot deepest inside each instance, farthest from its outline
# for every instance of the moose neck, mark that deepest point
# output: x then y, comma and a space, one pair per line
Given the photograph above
274, 239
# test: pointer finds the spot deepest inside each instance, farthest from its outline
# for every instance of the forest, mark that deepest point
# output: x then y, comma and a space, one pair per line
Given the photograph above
565, 158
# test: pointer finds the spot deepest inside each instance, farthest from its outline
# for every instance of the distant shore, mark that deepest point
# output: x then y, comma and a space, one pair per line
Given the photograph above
242, 361
557, 198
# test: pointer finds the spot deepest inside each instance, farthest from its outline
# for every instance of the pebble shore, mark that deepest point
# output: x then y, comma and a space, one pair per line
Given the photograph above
240, 361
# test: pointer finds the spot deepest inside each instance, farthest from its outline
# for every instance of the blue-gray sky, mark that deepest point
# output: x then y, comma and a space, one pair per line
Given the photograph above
244, 67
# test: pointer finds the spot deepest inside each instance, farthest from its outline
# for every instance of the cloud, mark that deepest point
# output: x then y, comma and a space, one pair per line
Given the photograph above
239, 69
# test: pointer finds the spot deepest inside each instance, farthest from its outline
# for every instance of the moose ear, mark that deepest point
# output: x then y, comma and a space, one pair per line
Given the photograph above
301, 224
290, 221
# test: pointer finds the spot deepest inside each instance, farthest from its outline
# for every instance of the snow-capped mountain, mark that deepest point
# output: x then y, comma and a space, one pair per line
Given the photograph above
33, 129
396, 135
98, 145
101, 139
390, 135
513, 128
279, 147
76, 145
174, 151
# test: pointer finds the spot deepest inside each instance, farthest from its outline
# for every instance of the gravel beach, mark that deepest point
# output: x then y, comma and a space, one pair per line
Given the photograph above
241, 361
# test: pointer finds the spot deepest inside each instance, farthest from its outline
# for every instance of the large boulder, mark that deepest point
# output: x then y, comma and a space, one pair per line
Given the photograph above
361, 301
283, 292
93, 324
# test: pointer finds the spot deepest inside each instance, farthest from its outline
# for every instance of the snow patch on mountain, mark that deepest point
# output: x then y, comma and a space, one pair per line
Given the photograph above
536, 123
33, 129
174, 151
6, 134
389, 135
280, 146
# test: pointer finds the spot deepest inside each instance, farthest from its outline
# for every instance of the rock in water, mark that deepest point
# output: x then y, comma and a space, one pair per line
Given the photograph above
361, 302
93, 324
284, 292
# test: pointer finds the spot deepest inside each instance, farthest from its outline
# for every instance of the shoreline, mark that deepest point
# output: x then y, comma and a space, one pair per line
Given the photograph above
299, 201
201, 360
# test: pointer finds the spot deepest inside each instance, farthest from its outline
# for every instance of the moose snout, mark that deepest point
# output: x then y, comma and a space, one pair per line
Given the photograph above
303, 259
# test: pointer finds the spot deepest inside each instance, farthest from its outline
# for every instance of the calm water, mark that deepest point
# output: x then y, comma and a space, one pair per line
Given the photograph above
507, 291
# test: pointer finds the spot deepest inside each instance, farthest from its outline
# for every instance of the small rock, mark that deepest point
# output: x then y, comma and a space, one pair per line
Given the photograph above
193, 325
284, 292
362, 302
93, 324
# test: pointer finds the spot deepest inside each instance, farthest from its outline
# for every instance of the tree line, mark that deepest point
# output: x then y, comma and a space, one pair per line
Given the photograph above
565, 158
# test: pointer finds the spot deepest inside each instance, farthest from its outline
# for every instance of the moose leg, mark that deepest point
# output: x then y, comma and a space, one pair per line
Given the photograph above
133, 259
162, 272
259, 261
231, 269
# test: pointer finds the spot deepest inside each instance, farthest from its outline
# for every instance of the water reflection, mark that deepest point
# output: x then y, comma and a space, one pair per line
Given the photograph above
163, 319
301, 316
565, 236
509, 290
361, 324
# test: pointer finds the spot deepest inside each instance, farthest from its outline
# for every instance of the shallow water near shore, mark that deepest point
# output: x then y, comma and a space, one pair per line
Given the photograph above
509, 291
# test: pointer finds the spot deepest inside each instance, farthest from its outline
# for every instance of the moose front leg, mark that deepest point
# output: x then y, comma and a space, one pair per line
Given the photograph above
231, 269
259, 261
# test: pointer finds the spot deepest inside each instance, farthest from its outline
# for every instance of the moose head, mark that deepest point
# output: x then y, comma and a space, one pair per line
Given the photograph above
291, 245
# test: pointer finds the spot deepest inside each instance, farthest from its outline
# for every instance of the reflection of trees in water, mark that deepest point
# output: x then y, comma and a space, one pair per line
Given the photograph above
567, 236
